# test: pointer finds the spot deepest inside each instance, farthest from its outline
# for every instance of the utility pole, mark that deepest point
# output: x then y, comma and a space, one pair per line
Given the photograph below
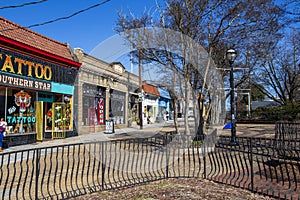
140, 91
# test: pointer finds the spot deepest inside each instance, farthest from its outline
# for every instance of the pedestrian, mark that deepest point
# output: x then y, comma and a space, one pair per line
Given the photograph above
3, 125
149, 120
167, 115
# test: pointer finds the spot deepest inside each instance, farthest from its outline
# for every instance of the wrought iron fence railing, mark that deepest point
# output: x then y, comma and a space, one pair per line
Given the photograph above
66, 171
258, 165
287, 136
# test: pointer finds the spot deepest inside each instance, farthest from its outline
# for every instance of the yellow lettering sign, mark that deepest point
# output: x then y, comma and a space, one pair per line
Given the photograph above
20, 63
30, 65
47, 73
39, 70
25, 68
8, 65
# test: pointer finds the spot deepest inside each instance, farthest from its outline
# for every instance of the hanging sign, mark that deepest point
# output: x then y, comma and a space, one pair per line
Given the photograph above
100, 110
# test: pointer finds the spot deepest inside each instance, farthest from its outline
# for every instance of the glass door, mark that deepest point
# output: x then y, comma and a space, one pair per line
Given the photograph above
59, 120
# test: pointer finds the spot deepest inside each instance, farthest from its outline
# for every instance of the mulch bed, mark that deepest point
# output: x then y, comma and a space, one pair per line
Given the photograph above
172, 189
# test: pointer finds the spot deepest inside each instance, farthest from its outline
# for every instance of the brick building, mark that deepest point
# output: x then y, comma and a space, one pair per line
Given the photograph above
37, 76
105, 91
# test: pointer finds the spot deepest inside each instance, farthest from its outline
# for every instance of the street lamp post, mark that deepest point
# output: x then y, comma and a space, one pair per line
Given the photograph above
231, 55
140, 91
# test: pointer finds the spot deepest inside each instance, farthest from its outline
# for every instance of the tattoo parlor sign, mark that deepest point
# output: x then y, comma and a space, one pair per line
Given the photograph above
20, 71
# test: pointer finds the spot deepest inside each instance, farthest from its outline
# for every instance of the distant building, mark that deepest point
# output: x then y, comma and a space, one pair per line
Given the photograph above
163, 103
105, 91
263, 104
150, 103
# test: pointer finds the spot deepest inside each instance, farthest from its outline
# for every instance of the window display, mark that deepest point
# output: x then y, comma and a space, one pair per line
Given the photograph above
20, 114
59, 116
117, 106
93, 105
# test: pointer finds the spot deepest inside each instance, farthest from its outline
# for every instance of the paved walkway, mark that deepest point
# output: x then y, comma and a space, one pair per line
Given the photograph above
249, 130
132, 132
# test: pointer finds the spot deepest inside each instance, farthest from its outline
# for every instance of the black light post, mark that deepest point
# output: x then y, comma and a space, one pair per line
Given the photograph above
140, 91
231, 55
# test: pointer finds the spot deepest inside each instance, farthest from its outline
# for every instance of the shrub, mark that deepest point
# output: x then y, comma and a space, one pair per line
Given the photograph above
288, 111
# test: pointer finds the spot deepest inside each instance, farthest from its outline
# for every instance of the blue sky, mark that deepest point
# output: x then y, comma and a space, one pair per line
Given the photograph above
85, 30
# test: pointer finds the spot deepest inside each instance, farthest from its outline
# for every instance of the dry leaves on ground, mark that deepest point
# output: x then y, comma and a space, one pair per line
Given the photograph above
172, 189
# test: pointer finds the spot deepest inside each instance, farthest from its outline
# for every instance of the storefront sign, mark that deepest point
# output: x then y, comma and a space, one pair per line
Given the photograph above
100, 111
16, 81
24, 67
31, 72
17, 119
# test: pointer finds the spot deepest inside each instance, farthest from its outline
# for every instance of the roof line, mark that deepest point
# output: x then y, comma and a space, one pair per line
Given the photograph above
28, 30
38, 51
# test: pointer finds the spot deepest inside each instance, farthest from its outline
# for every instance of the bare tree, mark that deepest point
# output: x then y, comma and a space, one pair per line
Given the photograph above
291, 10
215, 25
281, 69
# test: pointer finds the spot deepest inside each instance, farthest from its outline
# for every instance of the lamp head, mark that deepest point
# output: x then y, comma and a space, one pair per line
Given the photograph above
231, 55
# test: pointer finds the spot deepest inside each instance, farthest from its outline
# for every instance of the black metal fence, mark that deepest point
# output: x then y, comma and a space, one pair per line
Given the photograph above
287, 130
287, 136
258, 165
66, 171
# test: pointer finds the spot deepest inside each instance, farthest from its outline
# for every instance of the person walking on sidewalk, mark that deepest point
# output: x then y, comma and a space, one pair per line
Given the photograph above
167, 115
3, 125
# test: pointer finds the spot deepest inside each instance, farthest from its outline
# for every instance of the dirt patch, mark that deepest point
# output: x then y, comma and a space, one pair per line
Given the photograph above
183, 189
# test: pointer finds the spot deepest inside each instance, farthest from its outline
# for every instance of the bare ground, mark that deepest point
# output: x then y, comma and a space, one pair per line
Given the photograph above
192, 188
172, 189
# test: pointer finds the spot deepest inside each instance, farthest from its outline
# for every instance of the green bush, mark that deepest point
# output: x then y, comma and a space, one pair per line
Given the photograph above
289, 111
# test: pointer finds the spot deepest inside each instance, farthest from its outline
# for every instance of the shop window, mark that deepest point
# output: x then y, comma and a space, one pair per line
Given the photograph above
59, 114
93, 107
117, 106
133, 115
20, 116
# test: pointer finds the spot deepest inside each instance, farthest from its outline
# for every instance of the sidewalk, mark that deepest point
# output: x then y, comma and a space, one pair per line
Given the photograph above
251, 130
130, 132
243, 130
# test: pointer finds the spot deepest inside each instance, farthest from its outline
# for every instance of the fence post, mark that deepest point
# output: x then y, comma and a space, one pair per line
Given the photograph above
204, 160
102, 164
37, 166
167, 156
250, 148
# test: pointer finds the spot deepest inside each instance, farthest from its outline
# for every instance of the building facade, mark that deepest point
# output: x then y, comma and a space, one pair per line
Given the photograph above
104, 91
133, 100
37, 76
150, 103
163, 104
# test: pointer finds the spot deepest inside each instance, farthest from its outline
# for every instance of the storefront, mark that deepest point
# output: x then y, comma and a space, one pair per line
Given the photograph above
163, 104
133, 108
133, 102
102, 93
36, 87
150, 103
93, 107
